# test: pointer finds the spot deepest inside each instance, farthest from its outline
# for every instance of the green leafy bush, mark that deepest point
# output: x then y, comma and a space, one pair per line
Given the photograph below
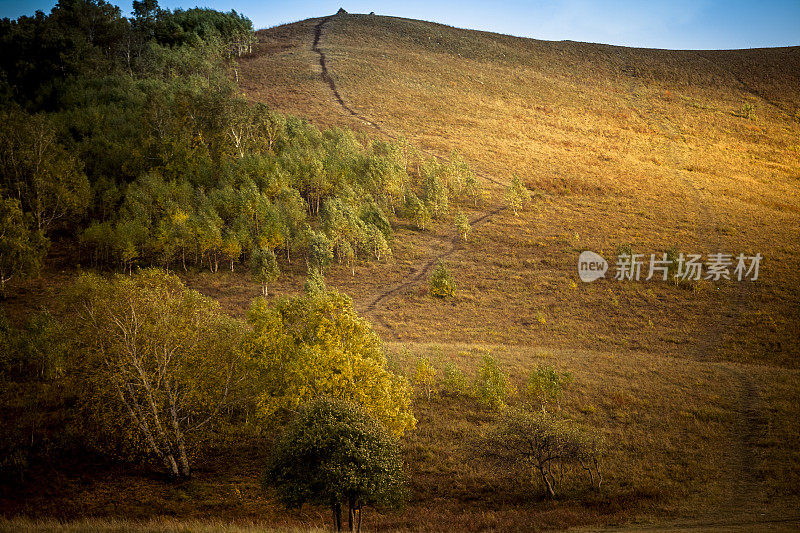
546, 385
442, 284
454, 381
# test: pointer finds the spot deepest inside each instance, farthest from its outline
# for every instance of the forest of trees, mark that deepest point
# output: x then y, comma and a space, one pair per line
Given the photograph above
130, 139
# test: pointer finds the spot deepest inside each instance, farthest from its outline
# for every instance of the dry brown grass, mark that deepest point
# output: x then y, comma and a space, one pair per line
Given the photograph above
656, 159
695, 385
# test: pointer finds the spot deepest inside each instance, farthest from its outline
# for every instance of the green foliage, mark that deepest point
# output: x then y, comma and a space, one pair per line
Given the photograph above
315, 344
264, 267
21, 249
335, 452
462, 225
320, 252
546, 385
145, 131
35, 352
315, 283
442, 284
543, 445
746, 110
492, 387
517, 194
48, 181
155, 362
417, 211
425, 377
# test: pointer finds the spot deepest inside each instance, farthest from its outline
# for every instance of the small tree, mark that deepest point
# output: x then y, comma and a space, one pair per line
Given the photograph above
264, 267
442, 284
517, 195
334, 452
417, 211
543, 444
492, 386
546, 384
462, 224
320, 252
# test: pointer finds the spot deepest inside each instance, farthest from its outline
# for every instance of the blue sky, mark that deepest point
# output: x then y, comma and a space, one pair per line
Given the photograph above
677, 24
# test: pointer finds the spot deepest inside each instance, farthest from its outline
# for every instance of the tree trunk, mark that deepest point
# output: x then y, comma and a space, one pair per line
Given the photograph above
351, 514
548, 485
337, 516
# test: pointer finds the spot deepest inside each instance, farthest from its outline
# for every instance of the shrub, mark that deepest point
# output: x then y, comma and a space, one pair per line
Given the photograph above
454, 382
425, 377
546, 385
517, 194
462, 225
442, 284
492, 387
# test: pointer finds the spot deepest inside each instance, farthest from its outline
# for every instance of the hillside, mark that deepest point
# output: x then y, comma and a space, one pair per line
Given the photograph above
622, 145
693, 386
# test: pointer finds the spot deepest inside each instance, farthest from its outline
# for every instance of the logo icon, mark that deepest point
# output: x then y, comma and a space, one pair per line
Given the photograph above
591, 266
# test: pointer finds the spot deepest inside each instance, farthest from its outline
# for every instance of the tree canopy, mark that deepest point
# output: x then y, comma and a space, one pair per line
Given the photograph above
335, 452
316, 345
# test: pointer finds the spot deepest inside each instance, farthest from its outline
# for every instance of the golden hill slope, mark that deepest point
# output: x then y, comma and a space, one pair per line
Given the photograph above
648, 147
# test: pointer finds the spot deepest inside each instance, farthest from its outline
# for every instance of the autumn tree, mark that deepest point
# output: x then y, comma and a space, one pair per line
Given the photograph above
315, 344
334, 452
164, 355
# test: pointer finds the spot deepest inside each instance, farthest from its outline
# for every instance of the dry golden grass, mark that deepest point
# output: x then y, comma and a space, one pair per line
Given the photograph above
695, 385
626, 145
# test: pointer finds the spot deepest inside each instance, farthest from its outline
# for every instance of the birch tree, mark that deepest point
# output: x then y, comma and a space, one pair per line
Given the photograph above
162, 354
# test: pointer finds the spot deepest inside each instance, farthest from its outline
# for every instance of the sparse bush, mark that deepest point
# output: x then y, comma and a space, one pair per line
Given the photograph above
442, 284
492, 388
454, 382
546, 385
543, 445
425, 377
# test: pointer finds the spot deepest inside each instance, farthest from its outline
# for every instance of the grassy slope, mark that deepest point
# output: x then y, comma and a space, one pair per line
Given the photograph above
658, 158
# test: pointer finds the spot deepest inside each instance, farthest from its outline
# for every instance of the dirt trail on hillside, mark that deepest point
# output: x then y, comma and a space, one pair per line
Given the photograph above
739, 506
326, 77
419, 272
